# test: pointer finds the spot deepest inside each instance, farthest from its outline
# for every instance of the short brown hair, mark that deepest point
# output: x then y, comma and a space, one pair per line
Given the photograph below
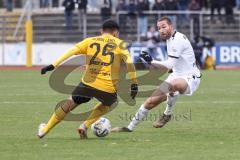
165, 18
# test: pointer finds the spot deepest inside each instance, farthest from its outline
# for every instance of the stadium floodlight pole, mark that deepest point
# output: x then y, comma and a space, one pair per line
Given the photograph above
3, 38
85, 25
29, 34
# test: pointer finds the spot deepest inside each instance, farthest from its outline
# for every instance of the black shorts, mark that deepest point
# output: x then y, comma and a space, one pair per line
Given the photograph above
84, 93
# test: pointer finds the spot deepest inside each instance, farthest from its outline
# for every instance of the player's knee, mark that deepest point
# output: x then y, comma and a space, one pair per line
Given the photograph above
79, 99
172, 87
179, 87
66, 105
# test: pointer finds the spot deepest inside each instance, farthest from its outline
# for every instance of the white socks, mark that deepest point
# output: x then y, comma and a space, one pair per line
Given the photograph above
171, 100
139, 116
143, 112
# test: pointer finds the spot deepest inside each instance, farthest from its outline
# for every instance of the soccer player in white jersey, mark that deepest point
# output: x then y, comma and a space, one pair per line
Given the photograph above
184, 79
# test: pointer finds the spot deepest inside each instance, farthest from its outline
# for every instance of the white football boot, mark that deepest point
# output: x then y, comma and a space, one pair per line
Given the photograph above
82, 130
41, 132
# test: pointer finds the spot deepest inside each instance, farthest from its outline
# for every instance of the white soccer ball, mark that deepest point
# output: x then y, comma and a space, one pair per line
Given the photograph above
101, 127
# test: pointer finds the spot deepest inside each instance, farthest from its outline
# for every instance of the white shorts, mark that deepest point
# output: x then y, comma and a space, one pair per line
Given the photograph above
193, 82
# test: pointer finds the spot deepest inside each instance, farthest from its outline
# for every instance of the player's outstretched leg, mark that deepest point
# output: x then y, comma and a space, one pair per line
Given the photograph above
98, 111
166, 117
56, 117
121, 129
156, 98
139, 116
178, 86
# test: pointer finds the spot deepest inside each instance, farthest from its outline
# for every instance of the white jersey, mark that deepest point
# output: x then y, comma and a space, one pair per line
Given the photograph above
179, 47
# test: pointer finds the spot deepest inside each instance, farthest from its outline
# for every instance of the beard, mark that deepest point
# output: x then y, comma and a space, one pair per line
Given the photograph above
165, 36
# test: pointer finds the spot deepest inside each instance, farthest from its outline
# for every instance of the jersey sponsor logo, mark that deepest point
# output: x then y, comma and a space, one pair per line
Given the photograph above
226, 54
229, 54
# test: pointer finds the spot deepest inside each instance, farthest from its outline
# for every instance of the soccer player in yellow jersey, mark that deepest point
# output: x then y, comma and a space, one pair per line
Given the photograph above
104, 55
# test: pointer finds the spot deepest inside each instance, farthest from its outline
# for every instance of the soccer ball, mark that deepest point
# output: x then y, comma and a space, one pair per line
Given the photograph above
101, 127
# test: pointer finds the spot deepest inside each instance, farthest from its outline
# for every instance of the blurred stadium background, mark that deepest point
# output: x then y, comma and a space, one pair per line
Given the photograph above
47, 24
34, 33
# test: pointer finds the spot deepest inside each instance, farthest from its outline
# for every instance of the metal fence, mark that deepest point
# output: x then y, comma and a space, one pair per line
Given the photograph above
202, 19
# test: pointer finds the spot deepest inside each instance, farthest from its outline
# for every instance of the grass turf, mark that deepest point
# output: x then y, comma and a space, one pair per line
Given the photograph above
205, 126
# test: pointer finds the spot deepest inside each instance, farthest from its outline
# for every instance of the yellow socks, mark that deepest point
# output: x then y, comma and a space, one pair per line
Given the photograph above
97, 112
57, 116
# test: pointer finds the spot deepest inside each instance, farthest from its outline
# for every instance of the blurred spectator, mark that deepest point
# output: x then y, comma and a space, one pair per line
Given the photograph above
106, 9
183, 4
18, 4
209, 63
121, 6
183, 18
216, 4
1, 4
132, 8
159, 5
205, 4
142, 5
9, 5
172, 5
228, 7
82, 10
93, 5
199, 44
195, 6
55, 3
44, 3
198, 51
202, 3
238, 4
69, 7
152, 38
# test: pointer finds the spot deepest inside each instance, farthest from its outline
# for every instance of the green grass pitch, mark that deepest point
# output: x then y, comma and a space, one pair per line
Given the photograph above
206, 126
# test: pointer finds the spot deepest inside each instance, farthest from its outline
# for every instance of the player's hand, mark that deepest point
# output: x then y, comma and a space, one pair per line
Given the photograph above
47, 68
134, 90
146, 57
